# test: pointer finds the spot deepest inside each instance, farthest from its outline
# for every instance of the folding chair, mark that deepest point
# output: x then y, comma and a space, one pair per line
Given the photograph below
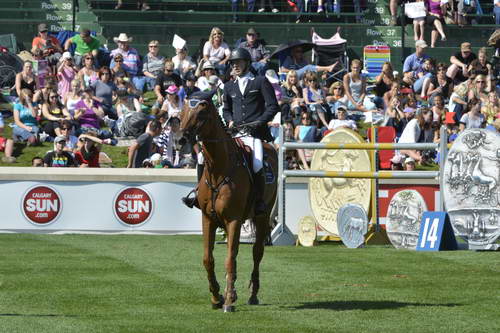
386, 134
328, 51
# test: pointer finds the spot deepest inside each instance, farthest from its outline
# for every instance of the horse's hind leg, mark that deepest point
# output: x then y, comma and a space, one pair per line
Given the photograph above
209, 230
261, 232
233, 229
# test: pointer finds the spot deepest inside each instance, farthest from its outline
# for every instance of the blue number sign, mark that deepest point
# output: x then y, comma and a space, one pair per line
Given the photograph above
436, 233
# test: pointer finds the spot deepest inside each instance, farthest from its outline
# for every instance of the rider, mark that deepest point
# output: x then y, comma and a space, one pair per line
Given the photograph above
250, 99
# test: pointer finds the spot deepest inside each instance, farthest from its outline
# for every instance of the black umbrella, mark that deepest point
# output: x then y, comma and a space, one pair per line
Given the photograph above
285, 48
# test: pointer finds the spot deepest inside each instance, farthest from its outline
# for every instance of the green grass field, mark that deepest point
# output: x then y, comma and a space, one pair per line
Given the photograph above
131, 283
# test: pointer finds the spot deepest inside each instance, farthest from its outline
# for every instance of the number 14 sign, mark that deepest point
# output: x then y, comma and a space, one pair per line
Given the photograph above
436, 233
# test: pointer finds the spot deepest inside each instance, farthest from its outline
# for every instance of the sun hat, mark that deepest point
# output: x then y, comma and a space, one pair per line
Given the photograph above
208, 65
172, 89
122, 38
272, 76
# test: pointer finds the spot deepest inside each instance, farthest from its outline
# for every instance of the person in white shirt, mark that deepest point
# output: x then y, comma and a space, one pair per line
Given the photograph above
182, 62
342, 122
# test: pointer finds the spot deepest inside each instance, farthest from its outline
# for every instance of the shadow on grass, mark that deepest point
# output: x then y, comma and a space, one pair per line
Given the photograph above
35, 315
364, 305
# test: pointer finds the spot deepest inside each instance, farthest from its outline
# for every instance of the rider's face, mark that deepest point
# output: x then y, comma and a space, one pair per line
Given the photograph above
239, 66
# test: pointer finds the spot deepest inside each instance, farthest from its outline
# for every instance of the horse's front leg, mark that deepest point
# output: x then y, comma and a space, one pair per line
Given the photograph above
209, 229
261, 232
233, 229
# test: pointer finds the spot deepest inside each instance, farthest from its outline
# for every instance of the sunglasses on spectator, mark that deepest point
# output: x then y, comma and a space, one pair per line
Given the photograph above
480, 81
89, 58
64, 128
118, 60
42, 32
53, 96
155, 46
216, 34
168, 70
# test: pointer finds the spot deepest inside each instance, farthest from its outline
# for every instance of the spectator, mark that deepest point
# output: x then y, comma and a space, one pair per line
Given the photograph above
398, 117
414, 62
25, 127
393, 8
216, 51
88, 74
66, 128
421, 74
383, 83
473, 118
491, 109
435, 18
189, 87
418, 26
292, 97
480, 88
460, 61
260, 55
26, 79
336, 97
53, 112
305, 132
496, 10
66, 72
218, 86
118, 71
59, 158
49, 45
72, 97
409, 164
438, 109
89, 149
131, 60
298, 62
42, 95
355, 89
314, 97
153, 64
141, 4
207, 71
168, 143
392, 93
89, 113
414, 132
104, 91
234, 8
481, 65
438, 84
142, 149
183, 63
459, 97
172, 104
342, 121
37, 162
7, 146
465, 7
85, 45
166, 79
271, 6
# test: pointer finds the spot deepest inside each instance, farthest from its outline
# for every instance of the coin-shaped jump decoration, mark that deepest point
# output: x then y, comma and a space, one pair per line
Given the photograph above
327, 195
403, 219
471, 186
352, 222
307, 231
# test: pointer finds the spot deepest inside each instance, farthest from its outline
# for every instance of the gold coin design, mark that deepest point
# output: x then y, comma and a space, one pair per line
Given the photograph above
307, 231
327, 195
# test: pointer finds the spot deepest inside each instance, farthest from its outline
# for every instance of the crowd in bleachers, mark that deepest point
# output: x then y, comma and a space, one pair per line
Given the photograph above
79, 97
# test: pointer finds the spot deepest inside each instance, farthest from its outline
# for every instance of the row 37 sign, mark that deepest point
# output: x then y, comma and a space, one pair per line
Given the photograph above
42, 205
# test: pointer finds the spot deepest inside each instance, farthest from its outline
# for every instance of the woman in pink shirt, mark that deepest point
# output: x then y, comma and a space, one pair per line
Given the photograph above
435, 19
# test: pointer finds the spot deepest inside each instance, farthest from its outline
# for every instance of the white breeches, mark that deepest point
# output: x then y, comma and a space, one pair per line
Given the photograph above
257, 152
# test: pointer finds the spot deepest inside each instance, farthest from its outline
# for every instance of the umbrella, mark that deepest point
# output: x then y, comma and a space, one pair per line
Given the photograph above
284, 49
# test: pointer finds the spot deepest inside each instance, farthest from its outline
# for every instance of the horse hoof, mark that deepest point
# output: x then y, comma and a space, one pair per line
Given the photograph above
229, 308
253, 301
217, 306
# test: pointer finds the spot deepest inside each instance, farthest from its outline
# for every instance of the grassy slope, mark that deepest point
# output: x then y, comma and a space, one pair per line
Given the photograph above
85, 283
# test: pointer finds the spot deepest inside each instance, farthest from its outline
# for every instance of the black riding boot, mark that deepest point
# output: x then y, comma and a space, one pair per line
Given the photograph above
259, 186
191, 201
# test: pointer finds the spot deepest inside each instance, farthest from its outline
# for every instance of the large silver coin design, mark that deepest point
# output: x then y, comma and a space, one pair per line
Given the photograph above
403, 219
327, 195
471, 186
352, 222
307, 231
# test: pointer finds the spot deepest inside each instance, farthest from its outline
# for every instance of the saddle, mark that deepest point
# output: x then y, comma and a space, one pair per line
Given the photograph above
246, 151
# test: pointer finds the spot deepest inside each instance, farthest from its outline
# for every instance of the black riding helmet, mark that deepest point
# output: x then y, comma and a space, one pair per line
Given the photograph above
240, 54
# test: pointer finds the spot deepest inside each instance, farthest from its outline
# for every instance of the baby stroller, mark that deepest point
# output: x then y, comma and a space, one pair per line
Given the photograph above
328, 51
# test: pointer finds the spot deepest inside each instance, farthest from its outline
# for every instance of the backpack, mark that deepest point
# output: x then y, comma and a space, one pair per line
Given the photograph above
134, 124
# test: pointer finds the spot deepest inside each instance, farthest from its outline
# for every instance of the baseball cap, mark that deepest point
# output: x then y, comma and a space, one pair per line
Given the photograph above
42, 27
213, 79
60, 138
421, 43
466, 46
190, 77
208, 65
409, 160
66, 55
251, 31
172, 89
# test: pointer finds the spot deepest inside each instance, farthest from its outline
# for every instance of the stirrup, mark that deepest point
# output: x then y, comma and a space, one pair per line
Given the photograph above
190, 201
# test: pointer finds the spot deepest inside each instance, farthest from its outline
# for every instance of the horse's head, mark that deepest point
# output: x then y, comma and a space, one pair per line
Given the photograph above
197, 113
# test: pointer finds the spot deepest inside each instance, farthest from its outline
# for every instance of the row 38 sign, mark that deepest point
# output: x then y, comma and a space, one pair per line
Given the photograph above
42, 205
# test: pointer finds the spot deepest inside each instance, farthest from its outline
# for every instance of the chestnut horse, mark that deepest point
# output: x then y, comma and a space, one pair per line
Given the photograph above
226, 197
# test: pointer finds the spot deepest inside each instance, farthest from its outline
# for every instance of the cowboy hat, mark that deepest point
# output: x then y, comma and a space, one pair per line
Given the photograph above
122, 38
